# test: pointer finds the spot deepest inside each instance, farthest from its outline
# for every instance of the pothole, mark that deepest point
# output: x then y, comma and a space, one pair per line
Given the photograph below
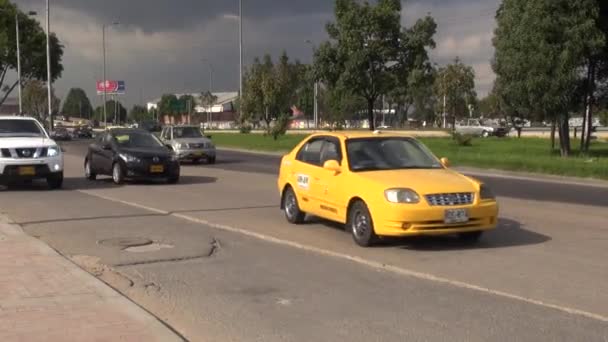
126, 242
152, 247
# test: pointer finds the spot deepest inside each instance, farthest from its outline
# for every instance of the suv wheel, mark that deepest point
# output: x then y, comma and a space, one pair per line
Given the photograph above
55, 181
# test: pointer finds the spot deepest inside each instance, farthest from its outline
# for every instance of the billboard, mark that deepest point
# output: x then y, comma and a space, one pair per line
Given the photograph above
111, 87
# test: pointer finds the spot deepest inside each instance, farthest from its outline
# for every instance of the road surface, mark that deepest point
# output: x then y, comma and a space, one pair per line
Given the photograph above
224, 265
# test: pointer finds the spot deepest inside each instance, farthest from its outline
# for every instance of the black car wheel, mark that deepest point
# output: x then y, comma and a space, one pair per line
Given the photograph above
88, 173
196, 161
118, 175
173, 180
55, 181
361, 225
211, 160
293, 214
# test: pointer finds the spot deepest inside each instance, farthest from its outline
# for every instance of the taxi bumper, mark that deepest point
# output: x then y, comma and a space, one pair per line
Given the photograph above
401, 220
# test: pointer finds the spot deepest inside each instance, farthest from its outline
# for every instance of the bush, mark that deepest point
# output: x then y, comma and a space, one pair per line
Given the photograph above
462, 139
245, 129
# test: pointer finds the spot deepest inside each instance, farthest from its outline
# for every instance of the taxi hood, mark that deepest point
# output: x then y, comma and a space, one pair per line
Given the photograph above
423, 181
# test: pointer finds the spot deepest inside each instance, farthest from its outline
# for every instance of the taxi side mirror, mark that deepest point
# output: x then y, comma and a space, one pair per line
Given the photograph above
332, 165
445, 162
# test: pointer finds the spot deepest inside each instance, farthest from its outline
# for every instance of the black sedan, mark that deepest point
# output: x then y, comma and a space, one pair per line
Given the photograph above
131, 154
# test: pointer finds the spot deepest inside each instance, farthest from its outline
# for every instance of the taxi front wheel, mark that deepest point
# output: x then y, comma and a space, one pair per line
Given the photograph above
293, 214
361, 225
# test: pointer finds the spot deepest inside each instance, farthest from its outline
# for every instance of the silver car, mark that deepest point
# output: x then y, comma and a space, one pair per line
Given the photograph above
189, 143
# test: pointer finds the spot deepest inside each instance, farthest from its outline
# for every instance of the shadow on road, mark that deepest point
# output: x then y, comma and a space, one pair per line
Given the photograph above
509, 233
79, 183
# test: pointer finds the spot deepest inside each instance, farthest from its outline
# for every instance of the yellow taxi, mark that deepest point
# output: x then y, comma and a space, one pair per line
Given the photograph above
382, 184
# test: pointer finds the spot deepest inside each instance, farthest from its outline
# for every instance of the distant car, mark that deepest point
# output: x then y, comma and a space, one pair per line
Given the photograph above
61, 134
27, 152
382, 184
150, 126
189, 143
476, 128
130, 154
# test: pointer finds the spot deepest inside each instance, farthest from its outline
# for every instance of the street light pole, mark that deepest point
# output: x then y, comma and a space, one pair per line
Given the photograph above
18, 64
315, 96
105, 91
48, 65
240, 53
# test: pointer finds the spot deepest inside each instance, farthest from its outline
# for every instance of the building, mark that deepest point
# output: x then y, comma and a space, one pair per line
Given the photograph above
10, 107
222, 114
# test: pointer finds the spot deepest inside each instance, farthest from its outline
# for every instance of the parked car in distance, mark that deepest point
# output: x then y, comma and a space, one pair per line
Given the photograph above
189, 143
476, 128
130, 154
61, 134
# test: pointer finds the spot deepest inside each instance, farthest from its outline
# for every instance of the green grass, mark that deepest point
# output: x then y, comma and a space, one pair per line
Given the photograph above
511, 154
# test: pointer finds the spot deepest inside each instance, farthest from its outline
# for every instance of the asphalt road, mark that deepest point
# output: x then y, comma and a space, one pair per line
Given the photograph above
225, 266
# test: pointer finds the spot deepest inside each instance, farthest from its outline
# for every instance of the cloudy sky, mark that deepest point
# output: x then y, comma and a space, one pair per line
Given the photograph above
169, 45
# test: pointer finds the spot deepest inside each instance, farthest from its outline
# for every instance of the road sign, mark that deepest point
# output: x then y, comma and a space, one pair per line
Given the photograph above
111, 87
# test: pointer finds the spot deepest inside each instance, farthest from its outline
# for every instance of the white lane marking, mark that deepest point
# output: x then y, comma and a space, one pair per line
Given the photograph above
372, 264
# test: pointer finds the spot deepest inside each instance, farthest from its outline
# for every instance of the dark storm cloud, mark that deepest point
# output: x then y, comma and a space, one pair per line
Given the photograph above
161, 15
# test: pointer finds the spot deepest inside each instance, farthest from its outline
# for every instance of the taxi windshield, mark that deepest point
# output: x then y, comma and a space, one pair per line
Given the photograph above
374, 154
187, 132
137, 140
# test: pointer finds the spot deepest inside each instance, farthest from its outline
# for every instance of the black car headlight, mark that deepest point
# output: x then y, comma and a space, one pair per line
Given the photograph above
129, 158
485, 193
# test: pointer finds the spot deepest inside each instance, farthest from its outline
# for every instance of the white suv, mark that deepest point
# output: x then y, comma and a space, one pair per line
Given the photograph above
27, 153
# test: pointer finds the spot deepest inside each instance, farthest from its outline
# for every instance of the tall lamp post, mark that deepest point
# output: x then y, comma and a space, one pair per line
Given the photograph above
240, 55
315, 96
105, 81
49, 81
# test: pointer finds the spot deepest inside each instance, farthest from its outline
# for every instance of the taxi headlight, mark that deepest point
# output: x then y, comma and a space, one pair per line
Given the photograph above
401, 196
53, 151
485, 193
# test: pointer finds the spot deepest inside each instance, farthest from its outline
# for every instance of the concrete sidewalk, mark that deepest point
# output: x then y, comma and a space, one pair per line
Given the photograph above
45, 297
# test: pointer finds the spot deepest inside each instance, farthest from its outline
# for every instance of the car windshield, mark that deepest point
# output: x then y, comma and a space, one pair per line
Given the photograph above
187, 132
20, 128
137, 140
373, 154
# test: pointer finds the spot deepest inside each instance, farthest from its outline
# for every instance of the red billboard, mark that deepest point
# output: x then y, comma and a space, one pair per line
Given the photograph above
110, 87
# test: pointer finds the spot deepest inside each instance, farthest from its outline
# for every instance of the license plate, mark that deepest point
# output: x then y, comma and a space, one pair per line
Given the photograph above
27, 171
157, 169
456, 216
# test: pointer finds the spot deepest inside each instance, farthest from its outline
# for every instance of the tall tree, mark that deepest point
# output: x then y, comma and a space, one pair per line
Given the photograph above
77, 104
455, 82
596, 76
116, 112
169, 105
271, 90
33, 50
539, 48
338, 104
139, 113
368, 47
35, 100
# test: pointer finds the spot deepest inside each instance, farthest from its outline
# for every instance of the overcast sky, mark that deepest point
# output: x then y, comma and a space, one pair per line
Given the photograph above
160, 45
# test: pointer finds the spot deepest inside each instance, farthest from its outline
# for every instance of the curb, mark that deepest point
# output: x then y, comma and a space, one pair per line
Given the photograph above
153, 325
537, 177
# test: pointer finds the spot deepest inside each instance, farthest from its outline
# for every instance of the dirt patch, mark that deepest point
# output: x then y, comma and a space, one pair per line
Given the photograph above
107, 274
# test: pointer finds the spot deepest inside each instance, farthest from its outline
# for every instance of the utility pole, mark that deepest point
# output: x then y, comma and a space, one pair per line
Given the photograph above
18, 64
48, 65
316, 105
240, 55
105, 80
444, 103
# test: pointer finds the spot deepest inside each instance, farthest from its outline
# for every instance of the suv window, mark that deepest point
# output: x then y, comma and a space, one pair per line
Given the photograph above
20, 128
